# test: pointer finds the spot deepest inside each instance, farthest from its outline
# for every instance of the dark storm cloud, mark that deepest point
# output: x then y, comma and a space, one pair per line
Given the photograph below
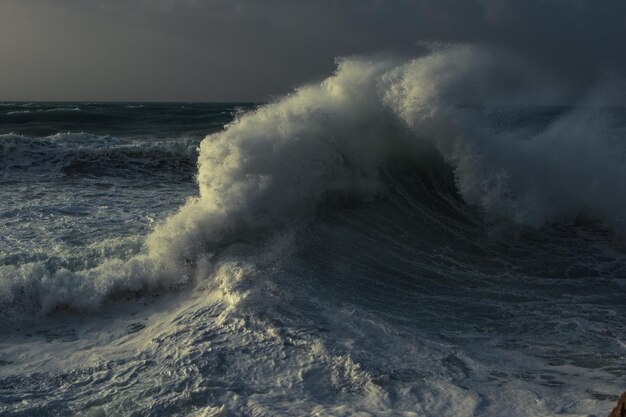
254, 49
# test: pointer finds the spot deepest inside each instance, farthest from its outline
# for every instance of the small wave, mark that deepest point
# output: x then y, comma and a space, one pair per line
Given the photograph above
61, 109
18, 112
53, 110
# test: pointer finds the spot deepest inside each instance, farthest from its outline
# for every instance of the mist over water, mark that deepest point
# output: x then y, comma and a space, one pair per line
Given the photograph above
429, 236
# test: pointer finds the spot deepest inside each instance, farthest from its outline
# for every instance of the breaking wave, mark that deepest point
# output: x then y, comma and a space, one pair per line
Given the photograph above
428, 132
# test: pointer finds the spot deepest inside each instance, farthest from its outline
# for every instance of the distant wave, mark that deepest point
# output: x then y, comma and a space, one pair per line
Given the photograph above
86, 154
61, 109
54, 115
374, 128
52, 110
18, 112
159, 120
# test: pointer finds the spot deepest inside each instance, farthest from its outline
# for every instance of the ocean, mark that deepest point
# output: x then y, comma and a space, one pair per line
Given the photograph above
401, 239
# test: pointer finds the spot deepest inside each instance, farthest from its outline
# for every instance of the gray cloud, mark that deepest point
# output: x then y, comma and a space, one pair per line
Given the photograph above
255, 49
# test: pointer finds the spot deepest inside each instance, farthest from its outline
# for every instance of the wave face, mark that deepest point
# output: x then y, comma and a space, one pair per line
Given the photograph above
434, 235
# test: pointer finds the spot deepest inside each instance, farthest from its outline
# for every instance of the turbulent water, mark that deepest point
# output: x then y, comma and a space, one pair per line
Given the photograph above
437, 236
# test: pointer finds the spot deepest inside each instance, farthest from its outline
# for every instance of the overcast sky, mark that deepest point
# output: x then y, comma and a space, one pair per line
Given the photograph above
253, 50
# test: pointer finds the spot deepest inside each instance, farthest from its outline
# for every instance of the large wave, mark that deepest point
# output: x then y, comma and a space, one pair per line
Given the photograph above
334, 143
273, 167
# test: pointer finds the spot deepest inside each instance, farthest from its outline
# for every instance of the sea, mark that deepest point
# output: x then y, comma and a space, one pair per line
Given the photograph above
401, 239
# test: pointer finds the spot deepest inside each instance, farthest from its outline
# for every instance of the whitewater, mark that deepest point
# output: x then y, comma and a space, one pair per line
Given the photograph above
431, 236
